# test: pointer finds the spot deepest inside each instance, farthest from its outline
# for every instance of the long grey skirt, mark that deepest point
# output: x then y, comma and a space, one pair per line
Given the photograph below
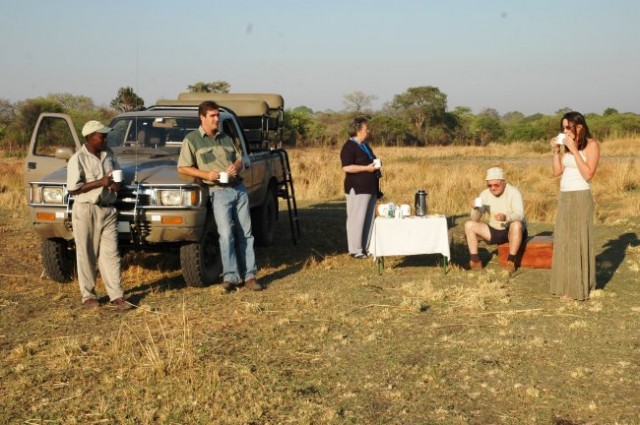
573, 271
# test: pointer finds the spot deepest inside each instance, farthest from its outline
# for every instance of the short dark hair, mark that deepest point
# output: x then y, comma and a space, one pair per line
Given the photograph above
356, 125
206, 106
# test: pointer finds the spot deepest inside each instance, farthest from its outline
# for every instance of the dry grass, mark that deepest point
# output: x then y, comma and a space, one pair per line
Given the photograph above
453, 176
330, 341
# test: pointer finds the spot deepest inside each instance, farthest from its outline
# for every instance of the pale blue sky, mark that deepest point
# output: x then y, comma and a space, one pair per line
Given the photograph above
528, 56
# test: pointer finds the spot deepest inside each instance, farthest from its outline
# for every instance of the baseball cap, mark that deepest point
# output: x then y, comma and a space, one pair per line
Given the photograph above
94, 127
495, 173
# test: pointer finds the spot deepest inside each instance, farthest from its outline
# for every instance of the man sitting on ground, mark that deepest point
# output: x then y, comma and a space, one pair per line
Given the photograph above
503, 202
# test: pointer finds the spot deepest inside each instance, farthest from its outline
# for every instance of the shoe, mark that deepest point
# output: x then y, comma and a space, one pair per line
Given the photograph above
121, 304
253, 285
90, 303
359, 256
510, 266
475, 265
229, 286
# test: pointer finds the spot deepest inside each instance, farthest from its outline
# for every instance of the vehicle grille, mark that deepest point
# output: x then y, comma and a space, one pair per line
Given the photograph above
126, 202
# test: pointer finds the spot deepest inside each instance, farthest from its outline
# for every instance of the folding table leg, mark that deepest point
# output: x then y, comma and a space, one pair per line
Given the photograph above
380, 265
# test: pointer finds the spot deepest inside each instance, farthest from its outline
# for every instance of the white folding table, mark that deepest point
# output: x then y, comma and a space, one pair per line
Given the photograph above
409, 236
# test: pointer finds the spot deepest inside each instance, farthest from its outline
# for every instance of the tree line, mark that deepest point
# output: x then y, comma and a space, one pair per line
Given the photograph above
417, 117
420, 117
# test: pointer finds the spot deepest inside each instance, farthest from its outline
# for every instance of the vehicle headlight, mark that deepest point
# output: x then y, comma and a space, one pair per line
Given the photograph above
53, 195
178, 198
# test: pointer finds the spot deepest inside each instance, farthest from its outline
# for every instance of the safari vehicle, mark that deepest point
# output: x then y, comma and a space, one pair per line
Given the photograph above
160, 209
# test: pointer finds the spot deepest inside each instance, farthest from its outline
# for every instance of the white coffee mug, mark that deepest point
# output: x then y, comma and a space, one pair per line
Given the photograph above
560, 138
406, 210
377, 163
223, 177
116, 175
478, 203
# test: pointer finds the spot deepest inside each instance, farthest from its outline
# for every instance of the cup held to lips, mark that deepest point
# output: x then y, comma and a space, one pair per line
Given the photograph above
223, 177
116, 175
377, 163
560, 139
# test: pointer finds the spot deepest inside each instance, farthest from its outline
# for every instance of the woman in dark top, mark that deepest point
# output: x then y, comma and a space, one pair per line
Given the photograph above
360, 187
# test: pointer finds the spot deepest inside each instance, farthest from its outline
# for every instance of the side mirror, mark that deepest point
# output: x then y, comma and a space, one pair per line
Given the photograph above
64, 153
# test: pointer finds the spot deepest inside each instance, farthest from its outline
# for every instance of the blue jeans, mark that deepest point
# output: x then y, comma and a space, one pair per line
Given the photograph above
231, 211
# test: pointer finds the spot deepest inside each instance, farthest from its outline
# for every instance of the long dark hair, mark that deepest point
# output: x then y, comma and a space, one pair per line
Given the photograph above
576, 118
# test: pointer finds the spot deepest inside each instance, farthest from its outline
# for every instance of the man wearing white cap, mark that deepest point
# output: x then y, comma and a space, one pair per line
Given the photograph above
94, 217
504, 204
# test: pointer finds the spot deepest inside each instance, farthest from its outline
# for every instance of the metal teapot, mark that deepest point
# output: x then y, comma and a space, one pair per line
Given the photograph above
421, 203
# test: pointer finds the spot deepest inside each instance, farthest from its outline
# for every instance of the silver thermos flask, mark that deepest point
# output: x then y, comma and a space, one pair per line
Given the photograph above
421, 203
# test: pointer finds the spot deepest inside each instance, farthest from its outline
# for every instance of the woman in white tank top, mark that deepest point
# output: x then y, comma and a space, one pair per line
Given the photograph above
575, 159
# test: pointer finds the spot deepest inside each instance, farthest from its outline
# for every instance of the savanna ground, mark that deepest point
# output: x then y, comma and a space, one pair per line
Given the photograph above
330, 341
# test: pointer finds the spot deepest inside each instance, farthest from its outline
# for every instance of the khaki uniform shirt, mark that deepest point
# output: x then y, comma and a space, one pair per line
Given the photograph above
85, 167
206, 153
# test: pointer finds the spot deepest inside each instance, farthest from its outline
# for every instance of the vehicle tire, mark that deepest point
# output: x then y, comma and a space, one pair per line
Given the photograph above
58, 259
200, 261
264, 218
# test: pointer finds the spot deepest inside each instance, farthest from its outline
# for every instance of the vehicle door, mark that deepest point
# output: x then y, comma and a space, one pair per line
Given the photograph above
230, 127
53, 141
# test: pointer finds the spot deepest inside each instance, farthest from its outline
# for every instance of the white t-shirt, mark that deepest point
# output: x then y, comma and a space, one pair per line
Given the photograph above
572, 180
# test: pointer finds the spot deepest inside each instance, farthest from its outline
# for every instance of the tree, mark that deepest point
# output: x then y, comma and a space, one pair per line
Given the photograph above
199, 87
357, 101
488, 127
423, 107
218, 86
462, 130
513, 117
7, 112
27, 113
70, 101
127, 100
389, 131
302, 124
610, 111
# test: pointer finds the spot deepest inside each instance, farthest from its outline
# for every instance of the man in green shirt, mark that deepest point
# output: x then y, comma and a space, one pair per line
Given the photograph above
211, 155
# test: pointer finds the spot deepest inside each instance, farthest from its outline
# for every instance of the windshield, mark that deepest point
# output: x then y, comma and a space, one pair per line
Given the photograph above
151, 132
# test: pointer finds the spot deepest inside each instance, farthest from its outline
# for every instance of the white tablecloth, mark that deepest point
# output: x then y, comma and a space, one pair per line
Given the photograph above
410, 236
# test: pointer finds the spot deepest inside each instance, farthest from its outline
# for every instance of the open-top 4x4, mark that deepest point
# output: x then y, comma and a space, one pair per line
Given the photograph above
160, 209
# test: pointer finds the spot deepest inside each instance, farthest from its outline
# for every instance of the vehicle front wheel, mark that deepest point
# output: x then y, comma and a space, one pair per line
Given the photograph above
58, 259
200, 261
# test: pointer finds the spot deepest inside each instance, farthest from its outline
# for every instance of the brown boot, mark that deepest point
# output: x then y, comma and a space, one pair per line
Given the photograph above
253, 285
121, 304
510, 266
475, 265
90, 303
